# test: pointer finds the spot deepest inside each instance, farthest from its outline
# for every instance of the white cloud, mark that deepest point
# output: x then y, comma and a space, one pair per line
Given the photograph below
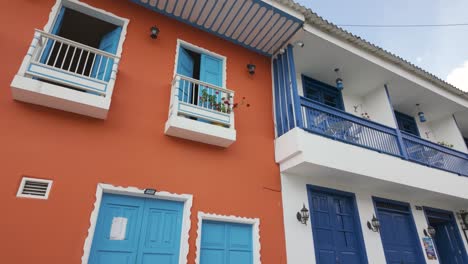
459, 77
419, 59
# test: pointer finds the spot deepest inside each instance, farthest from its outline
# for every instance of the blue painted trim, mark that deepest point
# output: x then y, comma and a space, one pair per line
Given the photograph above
454, 223
323, 87
205, 116
296, 99
261, 29
234, 17
183, 9
198, 17
279, 123
419, 250
253, 27
357, 218
407, 118
280, 38
217, 15
60, 79
287, 90
401, 144
273, 35
209, 13
248, 23
266, 34
283, 101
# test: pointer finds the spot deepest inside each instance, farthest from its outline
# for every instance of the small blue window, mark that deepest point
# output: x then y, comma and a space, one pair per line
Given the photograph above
407, 123
322, 92
226, 243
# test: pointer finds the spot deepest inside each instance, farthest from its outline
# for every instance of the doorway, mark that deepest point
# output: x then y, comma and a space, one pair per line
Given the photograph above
447, 239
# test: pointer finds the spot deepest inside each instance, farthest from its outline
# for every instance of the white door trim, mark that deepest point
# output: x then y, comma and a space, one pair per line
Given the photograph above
133, 191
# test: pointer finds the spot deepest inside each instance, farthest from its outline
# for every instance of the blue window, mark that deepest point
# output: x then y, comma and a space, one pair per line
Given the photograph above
226, 243
322, 92
407, 123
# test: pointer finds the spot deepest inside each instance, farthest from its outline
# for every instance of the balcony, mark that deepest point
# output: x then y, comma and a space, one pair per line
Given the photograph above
201, 112
67, 75
338, 125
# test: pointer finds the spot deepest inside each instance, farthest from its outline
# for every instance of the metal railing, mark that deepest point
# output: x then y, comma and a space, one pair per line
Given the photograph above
435, 155
331, 122
328, 121
203, 101
74, 59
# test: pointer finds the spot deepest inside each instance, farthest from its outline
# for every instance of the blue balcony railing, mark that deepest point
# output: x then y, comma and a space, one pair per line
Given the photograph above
330, 122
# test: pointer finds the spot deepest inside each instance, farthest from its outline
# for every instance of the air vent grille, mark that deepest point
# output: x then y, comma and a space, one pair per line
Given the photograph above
34, 188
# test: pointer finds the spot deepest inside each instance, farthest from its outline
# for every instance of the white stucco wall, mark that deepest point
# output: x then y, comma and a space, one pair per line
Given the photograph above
378, 106
446, 130
299, 238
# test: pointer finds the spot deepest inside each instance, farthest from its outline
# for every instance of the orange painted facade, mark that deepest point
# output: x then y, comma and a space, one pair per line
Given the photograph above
130, 148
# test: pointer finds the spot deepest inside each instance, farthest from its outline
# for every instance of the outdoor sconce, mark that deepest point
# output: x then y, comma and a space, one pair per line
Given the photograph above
154, 32
422, 118
339, 81
303, 215
299, 43
464, 219
251, 68
374, 224
150, 191
430, 232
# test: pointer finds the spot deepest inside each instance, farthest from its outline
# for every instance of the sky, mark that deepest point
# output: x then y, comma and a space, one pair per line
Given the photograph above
443, 51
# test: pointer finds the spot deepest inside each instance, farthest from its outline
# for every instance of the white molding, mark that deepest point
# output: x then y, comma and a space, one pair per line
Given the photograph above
23, 182
187, 199
199, 49
255, 222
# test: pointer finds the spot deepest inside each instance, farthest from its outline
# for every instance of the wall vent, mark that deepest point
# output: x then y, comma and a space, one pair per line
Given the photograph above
34, 188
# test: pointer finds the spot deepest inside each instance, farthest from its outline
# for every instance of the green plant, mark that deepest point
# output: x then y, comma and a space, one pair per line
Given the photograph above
445, 144
222, 104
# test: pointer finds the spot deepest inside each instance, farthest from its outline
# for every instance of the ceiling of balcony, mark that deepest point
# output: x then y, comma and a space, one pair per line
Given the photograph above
253, 24
361, 75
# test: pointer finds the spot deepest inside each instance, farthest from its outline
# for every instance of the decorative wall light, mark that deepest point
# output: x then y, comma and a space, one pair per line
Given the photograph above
154, 32
339, 81
422, 118
251, 68
150, 191
374, 224
430, 232
303, 215
464, 219
299, 43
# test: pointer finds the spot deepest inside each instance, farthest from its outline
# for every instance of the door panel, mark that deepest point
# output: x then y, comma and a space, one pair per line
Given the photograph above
211, 71
185, 66
133, 230
399, 239
334, 229
103, 65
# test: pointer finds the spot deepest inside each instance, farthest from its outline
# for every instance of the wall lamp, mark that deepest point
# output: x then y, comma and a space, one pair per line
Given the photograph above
299, 43
251, 68
430, 232
303, 215
339, 81
422, 118
154, 32
374, 224
150, 191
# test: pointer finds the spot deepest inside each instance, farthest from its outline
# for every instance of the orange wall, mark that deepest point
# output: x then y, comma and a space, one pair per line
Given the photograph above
129, 148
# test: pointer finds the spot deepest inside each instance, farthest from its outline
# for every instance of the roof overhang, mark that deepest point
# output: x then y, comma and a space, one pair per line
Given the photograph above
262, 26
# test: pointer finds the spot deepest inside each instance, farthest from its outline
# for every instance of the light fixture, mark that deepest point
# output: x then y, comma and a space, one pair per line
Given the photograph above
430, 232
303, 215
299, 43
150, 191
251, 68
339, 81
422, 118
282, 51
374, 224
464, 219
154, 32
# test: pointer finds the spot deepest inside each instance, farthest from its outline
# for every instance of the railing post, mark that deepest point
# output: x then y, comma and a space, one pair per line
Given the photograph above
231, 114
401, 143
295, 93
174, 101
29, 55
113, 77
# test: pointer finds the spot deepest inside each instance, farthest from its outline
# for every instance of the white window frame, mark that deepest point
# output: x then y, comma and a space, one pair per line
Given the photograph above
197, 49
254, 222
135, 192
23, 182
90, 11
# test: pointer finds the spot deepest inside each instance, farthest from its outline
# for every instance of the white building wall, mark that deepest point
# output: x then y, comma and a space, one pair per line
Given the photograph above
446, 130
299, 238
378, 106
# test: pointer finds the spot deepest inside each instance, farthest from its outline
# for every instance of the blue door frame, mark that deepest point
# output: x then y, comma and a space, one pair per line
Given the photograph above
458, 236
420, 255
356, 218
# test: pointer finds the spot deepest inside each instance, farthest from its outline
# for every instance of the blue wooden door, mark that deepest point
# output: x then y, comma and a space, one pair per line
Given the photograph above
336, 233
103, 65
449, 249
131, 230
398, 234
211, 71
185, 66
226, 243
55, 30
